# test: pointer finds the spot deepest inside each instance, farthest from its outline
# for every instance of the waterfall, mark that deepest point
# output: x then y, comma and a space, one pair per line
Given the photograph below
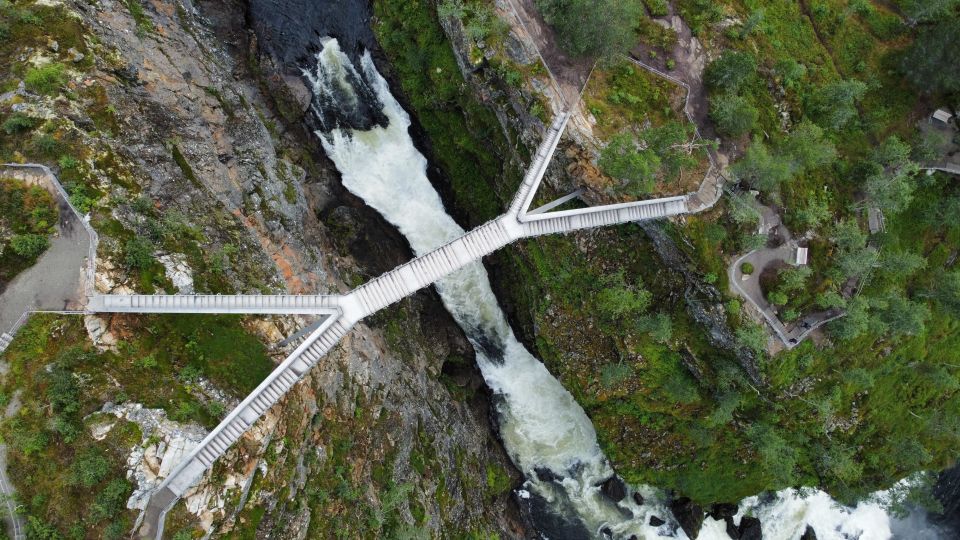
545, 432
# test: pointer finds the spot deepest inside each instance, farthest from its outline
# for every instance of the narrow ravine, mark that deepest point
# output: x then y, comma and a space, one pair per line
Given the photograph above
546, 433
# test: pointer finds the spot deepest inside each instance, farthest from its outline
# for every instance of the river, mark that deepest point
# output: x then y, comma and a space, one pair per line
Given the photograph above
545, 432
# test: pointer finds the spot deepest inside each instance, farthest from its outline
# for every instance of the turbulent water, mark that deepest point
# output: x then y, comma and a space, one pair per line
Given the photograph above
545, 432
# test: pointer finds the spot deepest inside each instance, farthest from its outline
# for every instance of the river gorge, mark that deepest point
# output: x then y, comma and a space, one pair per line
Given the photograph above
545, 432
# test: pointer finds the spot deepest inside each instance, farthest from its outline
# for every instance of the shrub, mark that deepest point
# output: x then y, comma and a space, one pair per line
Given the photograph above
45, 144
139, 253
746, 268
216, 409
790, 72
46, 79
147, 362
659, 326
733, 114
18, 122
89, 469
750, 242
111, 500
613, 374
834, 105
617, 299
68, 162
753, 337
622, 159
778, 298
29, 246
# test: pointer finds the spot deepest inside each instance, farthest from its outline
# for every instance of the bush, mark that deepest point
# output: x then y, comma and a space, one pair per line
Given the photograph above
659, 326
46, 79
834, 105
778, 298
613, 374
753, 337
139, 253
622, 159
89, 469
45, 144
746, 268
734, 115
790, 72
18, 122
29, 246
617, 299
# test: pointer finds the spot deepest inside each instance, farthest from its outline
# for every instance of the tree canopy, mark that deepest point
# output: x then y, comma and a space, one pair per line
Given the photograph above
598, 28
931, 61
731, 71
733, 114
833, 105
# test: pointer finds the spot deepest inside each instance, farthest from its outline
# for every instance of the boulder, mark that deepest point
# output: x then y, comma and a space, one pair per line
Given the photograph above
656, 522
614, 489
750, 529
546, 475
638, 498
689, 515
809, 534
732, 530
719, 511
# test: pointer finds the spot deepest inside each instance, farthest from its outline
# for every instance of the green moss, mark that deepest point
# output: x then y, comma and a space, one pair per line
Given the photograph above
140, 18
466, 137
184, 165
46, 79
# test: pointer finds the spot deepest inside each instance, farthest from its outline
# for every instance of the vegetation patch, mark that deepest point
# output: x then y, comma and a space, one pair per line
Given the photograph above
649, 144
28, 217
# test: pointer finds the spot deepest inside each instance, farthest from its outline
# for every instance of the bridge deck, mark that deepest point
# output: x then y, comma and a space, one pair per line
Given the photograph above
213, 303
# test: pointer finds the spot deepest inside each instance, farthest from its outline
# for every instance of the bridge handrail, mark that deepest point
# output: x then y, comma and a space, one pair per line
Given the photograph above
598, 209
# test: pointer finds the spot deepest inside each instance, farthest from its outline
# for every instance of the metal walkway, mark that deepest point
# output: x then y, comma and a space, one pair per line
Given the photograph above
213, 303
343, 311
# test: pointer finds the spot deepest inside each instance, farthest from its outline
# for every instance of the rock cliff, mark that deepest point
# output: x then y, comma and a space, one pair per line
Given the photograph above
390, 432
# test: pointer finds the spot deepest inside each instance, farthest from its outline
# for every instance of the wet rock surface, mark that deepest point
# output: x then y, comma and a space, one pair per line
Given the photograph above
689, 515
749, 529
614, 489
